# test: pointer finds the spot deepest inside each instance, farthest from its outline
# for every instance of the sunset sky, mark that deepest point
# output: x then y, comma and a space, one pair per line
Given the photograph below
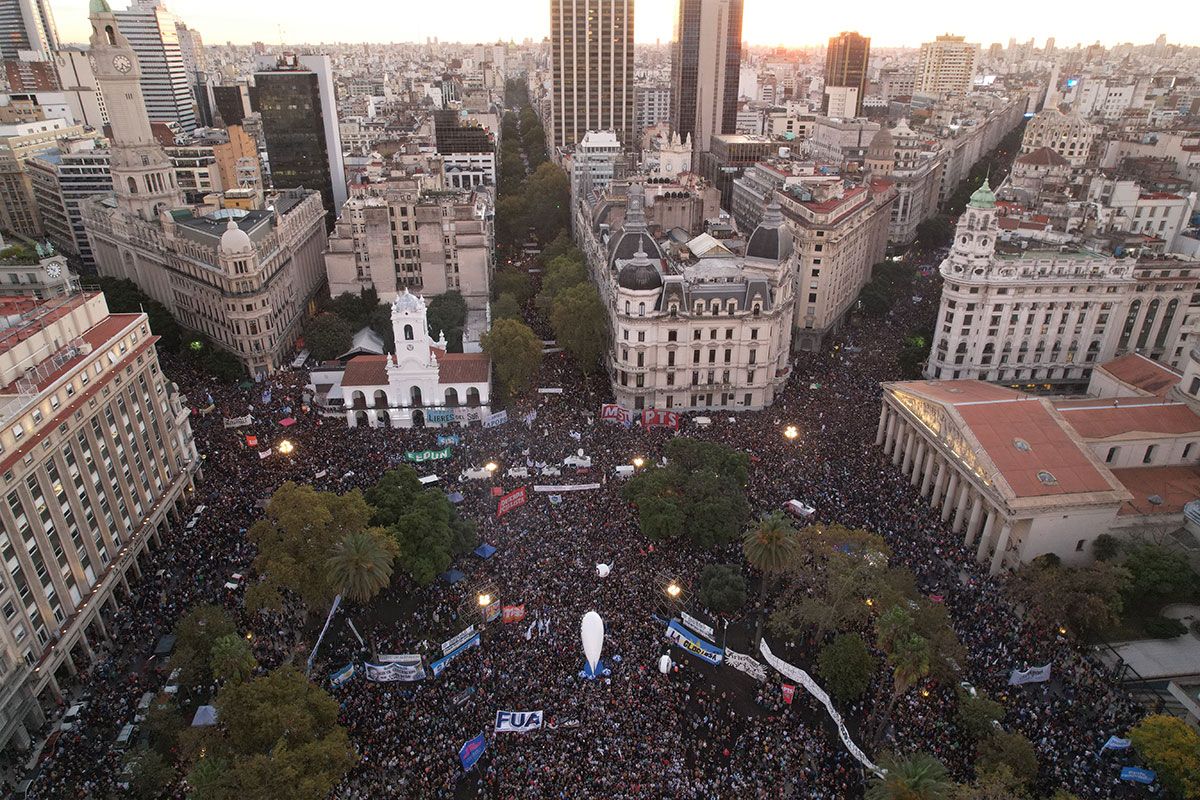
768, 22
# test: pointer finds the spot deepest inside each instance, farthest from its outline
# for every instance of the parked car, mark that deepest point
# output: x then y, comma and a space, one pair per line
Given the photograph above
143, 707
71, 718
798, 509
517, 472
578, 461
125, 737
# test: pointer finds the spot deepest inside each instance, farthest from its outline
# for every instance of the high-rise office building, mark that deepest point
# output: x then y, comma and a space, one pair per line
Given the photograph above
946, 66
96, 451
299, 119
63, 179
706, 59
78, 83
26, 25
846, 68
153, 33
591, 54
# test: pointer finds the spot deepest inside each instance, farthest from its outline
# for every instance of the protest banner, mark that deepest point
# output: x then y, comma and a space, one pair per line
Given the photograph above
693, 644
512, 500
518, 721
513, 613
656, 418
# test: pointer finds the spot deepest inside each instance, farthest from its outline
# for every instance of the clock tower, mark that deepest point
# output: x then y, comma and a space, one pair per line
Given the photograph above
142, 176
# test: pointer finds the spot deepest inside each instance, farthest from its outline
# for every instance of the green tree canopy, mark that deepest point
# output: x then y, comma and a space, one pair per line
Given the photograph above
561, 274
195, 634
506, 307
581, 325
281, 738
295, 540
514, 282
151, 774
427, 530
1158, 572
231, 658
1172, 749
1085, 599
978, 713
1011, 750
846, 666
700, 491
327, 336
447, 313
722, 588
515, 351
360, 566
919, 776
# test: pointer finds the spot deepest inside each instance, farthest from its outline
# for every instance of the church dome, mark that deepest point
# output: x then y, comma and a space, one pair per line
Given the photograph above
881, 146
408, 303
770, 240
633, 237
983, 197
235, 241
99, 7
640, 274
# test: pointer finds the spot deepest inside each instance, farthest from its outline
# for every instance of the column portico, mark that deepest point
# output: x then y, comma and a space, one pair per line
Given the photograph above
973, 524
946, 502
960, 510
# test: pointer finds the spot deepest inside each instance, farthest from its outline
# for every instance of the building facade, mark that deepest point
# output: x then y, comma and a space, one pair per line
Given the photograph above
946, 66
26, 25
591, 67
152, 32
1070, 136
63, 180
846, 59
706, 59
96, 454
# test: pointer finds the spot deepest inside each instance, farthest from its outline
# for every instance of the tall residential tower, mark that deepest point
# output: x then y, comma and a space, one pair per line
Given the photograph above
591, 53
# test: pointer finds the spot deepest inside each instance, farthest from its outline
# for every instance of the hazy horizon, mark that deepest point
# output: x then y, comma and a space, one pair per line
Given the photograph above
480, 21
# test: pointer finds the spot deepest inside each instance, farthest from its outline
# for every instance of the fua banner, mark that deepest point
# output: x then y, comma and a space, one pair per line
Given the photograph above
1032, 675
699, 627
518, 721
427, 455
743, 662
692, 643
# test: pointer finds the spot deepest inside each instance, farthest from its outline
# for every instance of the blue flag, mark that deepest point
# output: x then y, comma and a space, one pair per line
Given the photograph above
472, 751
1116, 743
1138, 775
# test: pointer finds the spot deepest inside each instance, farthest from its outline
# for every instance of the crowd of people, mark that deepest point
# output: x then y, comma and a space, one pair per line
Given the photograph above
697, 731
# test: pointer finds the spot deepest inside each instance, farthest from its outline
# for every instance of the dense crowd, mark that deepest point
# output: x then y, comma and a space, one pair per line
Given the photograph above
698, 731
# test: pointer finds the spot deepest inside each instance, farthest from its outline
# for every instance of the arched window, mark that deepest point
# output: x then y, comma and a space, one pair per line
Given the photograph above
626, 308
452, 397
472, 397
381, 399
641, 309
132, 185
408, 333
415, 394
108, 32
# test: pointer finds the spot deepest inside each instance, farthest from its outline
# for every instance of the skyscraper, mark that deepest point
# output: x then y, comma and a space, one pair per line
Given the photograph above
846, 68
153, 34
706, 59
299, 119
591, 54
26, 25
946, 66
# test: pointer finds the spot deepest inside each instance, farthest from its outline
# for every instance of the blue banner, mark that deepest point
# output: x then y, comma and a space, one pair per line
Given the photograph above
472, 751
439, 415
437, 666
1116, 743
448, 439
693, 644
1138, 775
342, 675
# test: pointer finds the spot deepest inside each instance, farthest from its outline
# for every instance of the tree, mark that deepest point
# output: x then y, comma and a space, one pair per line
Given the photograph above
934, 232
917, 777
516, 352
561, 246
1106, 547
295, 539
327, 336
232, 659
581, 325
151, 774
282, 738
1085, 599
1158, 573
195, 634
361, 564
163, 725
912, 355
511, 215
977, 715
846, 666
427, 530
1010, 750
907, 653
722, 588
210, 779
514, 282
998, 783
770, 547
124, 297
1171, 749
506, 307
548, 200
561, 274
447, 314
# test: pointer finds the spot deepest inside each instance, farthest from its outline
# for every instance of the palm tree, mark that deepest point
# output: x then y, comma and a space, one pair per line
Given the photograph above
770, 547
893, 624
909, 657
918, 777
361, 564
231, 659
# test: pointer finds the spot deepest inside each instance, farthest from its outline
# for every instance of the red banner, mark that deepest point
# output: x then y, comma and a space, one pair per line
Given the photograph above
251, 441
789, 692
514, 613
514, 499
655, 418
611, 412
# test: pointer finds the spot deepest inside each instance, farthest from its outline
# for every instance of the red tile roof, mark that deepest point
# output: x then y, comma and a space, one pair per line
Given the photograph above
98, 336
366, 371
462, 367
1175, 486
1023, 440
1142, 373
1103, 420
1043, 157
958, 392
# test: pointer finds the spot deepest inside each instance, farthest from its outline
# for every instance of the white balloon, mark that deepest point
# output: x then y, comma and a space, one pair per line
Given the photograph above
602, 570
664, 664
591, 631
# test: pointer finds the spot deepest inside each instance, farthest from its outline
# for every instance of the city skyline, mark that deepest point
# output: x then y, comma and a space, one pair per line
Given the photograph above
271, 22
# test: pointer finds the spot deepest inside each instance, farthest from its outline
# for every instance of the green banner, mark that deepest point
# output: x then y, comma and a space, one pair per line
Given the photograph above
427, 455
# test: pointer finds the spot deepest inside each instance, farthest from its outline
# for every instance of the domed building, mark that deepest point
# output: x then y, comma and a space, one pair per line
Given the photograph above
698, 322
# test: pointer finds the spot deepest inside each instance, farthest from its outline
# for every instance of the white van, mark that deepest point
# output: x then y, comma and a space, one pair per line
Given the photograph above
143, 707
623, 471
579, 462
125, 736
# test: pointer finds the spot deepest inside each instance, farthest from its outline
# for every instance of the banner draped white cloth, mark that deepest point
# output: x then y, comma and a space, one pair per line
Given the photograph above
801, 677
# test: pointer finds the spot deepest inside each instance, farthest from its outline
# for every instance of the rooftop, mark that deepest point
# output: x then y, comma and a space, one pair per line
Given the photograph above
1144, 374
1171, 487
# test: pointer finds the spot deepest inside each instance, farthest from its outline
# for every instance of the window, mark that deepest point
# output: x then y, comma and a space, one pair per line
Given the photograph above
1079, 545
672, 336
1187, 450
1146, 459
1112, 455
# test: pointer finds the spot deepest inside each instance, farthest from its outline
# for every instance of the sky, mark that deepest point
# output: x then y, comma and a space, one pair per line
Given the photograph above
797, 23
